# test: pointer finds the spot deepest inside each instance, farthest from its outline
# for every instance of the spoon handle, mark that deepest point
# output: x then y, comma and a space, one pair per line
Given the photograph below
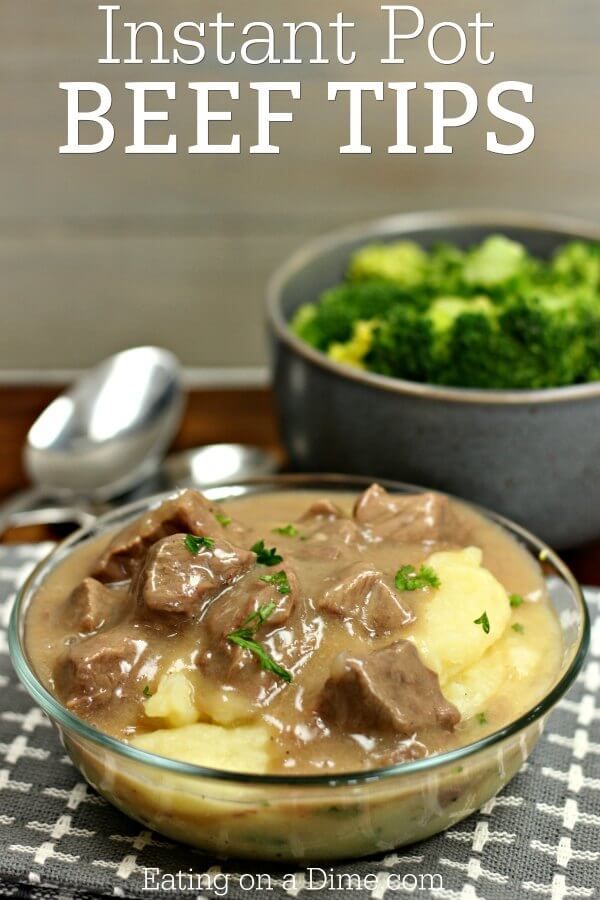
35, 507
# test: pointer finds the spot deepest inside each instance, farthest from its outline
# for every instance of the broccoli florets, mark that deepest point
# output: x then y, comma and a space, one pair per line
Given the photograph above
578, 264
536, 325
402, 345
354, 351
494, 262
332, 319
402, 262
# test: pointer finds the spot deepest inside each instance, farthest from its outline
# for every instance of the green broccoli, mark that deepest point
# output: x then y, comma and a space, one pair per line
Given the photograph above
445, 272
354, 351
402, 345
332, 319
536, 324
402, 262
494, 262
578, 263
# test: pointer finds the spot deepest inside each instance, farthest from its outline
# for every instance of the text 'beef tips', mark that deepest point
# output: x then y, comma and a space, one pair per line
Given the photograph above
364, 596
388, 690
188, 512
410, 518
180, 574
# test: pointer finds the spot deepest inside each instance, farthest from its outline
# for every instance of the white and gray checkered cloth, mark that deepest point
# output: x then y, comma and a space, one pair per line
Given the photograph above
59, 840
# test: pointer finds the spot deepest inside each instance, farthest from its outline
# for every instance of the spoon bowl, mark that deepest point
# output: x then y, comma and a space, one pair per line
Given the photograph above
110, 430
216, 464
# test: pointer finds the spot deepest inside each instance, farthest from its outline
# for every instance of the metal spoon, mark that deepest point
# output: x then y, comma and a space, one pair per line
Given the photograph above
216, 464
102, 437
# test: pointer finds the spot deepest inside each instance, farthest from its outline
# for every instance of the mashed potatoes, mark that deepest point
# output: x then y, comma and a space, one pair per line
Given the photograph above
240, 749
474, 664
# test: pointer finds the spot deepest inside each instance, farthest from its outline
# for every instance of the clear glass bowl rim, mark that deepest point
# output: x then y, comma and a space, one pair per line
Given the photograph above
71, 723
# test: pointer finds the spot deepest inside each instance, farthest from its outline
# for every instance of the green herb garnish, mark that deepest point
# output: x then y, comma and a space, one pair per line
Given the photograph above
195, 544
483, 621
286, 530
264, 556
518, 627
515, 600
408, 579
267, 663
481, 718
245, 637
279, 579
147, 692
259, 616
222, 519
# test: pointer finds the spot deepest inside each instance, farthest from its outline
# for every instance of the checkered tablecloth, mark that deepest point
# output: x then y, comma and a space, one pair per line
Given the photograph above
59, 840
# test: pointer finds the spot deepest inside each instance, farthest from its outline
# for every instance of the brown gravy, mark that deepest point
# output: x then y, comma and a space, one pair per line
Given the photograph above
355, 694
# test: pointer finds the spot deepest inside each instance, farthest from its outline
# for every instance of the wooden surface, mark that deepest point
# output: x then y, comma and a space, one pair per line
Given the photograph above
245, 416
101, 252
211, 417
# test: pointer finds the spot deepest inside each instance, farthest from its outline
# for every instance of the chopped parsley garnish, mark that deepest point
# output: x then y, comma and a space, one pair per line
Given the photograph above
515, 600
259, 616
483, 621
408, 579
264, 556
147, 692
279, 579
245, 637
481, 718
195, 544
222, 519
518, 627
286, 530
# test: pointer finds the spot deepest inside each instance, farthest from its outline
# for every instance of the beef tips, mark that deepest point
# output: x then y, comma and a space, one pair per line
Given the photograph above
364, 596
92, 606
228, 662
188, 512
410, 518
100, 668
231, 609
333, 539
321, 509
390, 690
176, 580
265, 593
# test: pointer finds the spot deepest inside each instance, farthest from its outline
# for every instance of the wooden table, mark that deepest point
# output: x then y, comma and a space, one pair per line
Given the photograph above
212, 416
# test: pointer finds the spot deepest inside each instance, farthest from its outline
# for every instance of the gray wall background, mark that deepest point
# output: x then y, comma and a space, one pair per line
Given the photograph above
101, 252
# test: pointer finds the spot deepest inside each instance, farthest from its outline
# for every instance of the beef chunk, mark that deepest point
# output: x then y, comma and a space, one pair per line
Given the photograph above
231, 609
175, 580
188, 512
321, 509
265, 593
92, 606
410, 518
333, 539
363, 595
100, 668
390, 690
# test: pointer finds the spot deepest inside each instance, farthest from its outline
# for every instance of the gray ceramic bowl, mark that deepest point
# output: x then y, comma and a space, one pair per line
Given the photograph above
532, 455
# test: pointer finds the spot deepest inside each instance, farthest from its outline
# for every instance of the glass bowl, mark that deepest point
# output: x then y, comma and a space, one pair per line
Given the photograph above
310, 817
